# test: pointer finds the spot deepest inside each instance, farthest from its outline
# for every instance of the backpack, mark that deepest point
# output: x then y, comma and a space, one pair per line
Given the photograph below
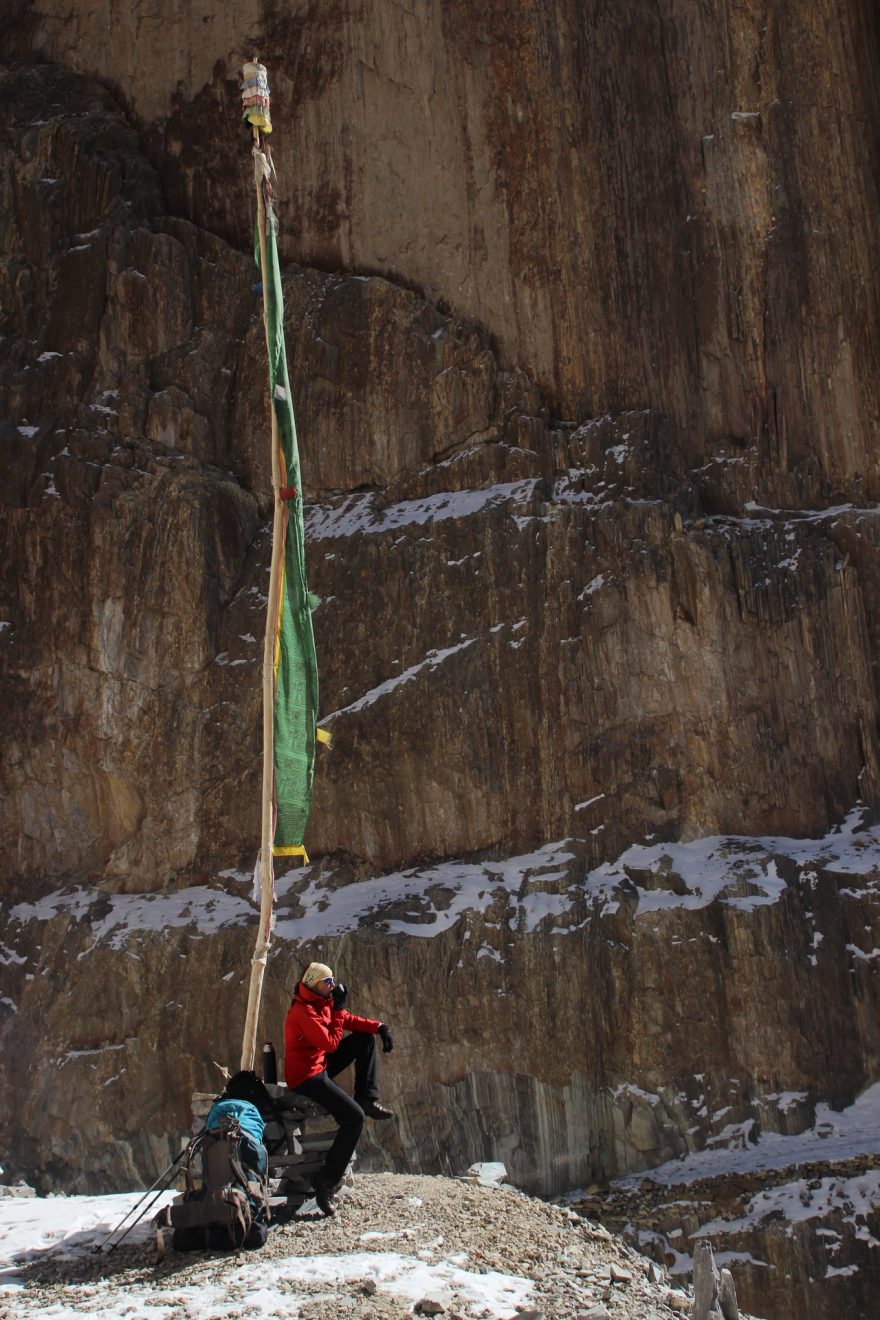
227, 1206
246, 1085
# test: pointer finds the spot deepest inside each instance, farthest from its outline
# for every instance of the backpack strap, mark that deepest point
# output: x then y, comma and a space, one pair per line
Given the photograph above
236, 1167
234, 1198
256, 1187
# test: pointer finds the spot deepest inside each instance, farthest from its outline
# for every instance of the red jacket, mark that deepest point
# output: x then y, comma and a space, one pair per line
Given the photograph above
313, 1029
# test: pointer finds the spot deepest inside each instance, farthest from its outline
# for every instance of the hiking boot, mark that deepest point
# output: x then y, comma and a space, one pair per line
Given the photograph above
325, 1197
373, 1109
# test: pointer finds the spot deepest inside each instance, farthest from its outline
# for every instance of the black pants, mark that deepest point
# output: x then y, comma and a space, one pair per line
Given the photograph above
358, 1048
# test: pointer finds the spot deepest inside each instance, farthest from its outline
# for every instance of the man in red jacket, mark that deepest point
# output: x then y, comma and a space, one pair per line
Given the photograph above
315, 1052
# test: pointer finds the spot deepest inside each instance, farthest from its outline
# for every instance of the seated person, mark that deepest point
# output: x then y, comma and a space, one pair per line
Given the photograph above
315, 1052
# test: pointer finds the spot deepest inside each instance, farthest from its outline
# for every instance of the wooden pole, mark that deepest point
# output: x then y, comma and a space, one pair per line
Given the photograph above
264, 934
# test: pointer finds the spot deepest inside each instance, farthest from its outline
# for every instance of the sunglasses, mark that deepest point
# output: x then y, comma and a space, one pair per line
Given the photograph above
328, 980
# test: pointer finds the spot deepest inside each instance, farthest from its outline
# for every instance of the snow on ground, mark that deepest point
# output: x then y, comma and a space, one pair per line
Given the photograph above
66, 1226
834, 1136
431, 661
547, 885
473, 1246
838, 1206
710, 865
70, 1227
199, 907
364, 513
829, 1187
800, 1200
457, 887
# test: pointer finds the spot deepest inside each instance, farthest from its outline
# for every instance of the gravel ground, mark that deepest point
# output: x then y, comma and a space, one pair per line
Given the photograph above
577, 1268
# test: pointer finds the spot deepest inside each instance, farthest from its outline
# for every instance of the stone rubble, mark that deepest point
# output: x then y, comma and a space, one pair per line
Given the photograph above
579, 1271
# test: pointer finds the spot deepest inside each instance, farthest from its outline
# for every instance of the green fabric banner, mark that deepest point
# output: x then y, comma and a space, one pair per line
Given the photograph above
296, 666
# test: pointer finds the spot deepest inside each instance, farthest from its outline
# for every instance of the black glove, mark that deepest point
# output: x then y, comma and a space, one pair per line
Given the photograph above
339, 994
387, 1042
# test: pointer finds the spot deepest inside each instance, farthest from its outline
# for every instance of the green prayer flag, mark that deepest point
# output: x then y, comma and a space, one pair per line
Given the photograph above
296, 666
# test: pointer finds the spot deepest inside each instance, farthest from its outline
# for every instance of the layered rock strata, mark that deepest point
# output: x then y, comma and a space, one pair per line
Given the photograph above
612, 590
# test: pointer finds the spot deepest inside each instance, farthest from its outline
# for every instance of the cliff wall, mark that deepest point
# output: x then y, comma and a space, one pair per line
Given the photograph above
581, 316
660, 205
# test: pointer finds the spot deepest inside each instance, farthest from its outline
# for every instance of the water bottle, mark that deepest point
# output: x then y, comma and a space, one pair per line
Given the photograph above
270, 1064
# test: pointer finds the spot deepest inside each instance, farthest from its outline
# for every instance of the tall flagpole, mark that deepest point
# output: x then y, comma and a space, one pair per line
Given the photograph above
255, 79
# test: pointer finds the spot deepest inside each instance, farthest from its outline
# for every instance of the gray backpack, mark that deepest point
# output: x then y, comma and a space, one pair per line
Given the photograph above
227, 1207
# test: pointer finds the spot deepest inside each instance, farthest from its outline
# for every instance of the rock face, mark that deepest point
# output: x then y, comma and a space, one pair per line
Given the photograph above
659, 207
570, 594
580, 315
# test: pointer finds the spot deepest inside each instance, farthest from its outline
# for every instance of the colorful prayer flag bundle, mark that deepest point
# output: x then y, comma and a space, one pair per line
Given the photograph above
255, 96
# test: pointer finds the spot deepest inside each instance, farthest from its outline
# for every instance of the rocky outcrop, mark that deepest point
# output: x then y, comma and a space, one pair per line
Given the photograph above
800, 1239
591, 517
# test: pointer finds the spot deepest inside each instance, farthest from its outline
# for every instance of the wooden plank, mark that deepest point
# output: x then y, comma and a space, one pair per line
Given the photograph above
320, 1141
300, 1169
277, 1163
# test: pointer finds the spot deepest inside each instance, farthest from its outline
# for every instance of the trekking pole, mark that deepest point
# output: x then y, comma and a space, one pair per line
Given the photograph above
170, 1170
135, 1222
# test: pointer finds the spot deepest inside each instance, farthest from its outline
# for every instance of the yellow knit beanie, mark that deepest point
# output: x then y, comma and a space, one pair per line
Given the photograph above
315, 973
